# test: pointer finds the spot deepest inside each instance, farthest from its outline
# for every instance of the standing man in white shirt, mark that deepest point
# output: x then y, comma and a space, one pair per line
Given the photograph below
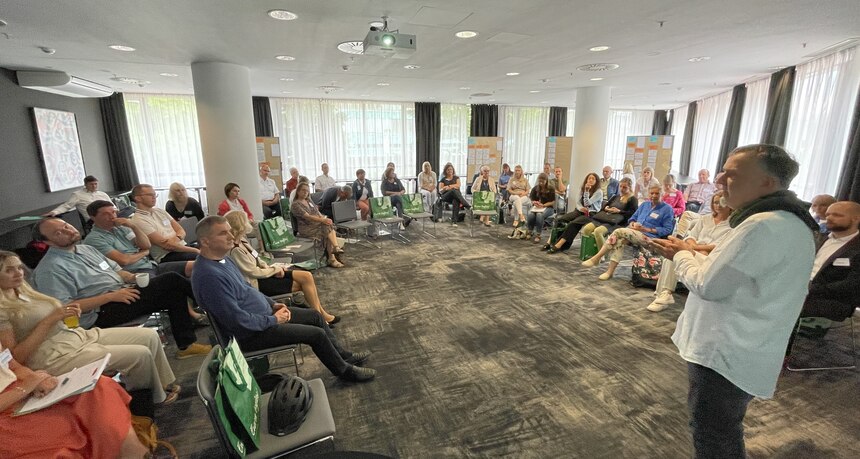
81, 199
270, 193
323, 182
745, 296
698, 195
164, 233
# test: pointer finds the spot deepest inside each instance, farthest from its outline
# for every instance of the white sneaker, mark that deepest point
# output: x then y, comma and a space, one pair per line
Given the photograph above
656, 307
454, 224
665, 297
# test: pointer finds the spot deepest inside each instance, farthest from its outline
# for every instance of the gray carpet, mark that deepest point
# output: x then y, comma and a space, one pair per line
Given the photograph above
487, 347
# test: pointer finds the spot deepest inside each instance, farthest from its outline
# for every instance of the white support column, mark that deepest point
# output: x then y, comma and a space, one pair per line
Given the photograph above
589, 136
225, 117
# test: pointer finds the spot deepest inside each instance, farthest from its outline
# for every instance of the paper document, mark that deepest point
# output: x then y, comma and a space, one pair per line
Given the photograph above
75, 382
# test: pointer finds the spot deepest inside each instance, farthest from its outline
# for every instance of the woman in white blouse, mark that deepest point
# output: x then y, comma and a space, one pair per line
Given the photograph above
427, 186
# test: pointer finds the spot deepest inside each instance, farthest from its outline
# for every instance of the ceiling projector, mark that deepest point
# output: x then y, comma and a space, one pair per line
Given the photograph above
389, 44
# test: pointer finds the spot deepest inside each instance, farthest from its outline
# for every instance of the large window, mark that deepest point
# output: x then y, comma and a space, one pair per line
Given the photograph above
711, 114
571, 121
165, 139
525, 130
679, 124
347, 135
454, 137
619, 125
755, 106
821, 104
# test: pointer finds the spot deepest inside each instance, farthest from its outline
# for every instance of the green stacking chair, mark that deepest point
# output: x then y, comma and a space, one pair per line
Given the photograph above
483, 204
413, 207
382, 212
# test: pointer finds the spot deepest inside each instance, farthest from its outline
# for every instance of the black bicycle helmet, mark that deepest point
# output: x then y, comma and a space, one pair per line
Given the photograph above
289, 403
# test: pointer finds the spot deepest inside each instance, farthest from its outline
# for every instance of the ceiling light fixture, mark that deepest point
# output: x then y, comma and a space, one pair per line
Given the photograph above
411, 67
351, 47
286, 92
699, 59
285, 58
383, 84
598, 48
169, 74
465, 88
665, 84
365, 95
596, 79
491, 100
466, 34
534, 91
600, 67
121, 48
282, 15
512, 73
287, 79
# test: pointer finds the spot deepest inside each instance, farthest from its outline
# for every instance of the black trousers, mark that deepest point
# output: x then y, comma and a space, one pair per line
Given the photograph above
717, 409
272, 286
456, 199
570, 216
306, 326
573, 229
271, 211
168, 291
178, 256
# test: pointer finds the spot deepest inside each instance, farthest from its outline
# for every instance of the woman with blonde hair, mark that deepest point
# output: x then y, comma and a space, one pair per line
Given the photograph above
645, 182
33, 327
180, 206
315, 225
484, 183
271, 280
518, 189
427, 186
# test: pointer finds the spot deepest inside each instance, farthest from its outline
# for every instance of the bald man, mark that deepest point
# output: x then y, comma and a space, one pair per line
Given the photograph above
820, 204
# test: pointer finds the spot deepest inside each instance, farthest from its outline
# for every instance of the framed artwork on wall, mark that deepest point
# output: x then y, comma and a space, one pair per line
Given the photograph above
59, 148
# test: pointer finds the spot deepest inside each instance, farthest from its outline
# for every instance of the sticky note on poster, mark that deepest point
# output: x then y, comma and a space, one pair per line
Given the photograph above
640, 142
667, 142
261, 153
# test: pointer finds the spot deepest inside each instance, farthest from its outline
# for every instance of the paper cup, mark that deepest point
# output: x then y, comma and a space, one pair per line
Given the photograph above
141, 279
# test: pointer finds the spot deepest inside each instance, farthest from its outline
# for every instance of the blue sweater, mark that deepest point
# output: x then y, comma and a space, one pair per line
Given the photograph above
661, 218
239, 308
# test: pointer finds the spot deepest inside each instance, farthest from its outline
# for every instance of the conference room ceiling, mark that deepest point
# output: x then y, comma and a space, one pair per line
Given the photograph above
545, 41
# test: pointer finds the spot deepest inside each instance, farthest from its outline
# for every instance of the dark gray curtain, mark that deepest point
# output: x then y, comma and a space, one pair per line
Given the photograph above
778, 107
262, 117
428, 132
660, 126
557, 121
118, 139
733, 125
485, 121
849, 182
687, 146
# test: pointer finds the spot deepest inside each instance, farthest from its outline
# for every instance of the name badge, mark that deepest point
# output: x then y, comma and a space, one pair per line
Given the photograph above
254, 253
188, 212
130, 235
5, 358
842, 262
654, 215
104, 265
165, 222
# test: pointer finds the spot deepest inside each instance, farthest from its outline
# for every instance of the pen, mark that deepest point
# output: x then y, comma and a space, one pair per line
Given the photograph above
65, 380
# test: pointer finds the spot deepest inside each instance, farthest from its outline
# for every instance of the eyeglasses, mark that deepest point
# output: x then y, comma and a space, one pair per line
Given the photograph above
147, 194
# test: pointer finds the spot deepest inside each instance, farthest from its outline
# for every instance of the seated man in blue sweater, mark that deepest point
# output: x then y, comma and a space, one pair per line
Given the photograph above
255, 320
653, 219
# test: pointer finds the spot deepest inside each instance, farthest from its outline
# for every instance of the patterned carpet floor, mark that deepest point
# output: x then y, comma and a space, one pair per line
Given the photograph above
486, 347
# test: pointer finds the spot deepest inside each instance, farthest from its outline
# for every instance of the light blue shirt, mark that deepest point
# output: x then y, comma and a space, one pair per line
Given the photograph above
120, 239
80, 273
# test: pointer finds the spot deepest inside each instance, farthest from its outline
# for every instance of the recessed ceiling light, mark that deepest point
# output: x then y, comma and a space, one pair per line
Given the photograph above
286, 92
411, 67
465, 88
534, 91
596, 79
383, 84
169, 74
597, 67
351, 47
699, 59
598, 48
512, 73
282, 15
365, 95
466, 34
287, 79
121, 48
665, 84
491, 100
285, 58
130, 80
378, 24
544, 102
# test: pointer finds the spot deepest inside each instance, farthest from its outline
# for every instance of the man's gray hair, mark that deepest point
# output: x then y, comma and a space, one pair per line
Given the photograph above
347, 190
774, 160
204, 228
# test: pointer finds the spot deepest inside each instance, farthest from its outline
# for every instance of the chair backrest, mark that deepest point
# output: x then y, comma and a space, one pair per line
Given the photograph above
484, 200
343, 211
380, 207
221, 335
285, 206
413, 203
207, 384
190, 226
275, 233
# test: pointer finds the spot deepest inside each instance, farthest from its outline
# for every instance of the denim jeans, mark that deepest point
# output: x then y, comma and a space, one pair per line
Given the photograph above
534, 220
717, 409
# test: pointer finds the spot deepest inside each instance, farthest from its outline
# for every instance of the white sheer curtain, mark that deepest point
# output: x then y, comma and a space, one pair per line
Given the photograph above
623, 123
679, 124
165, 139
453, 142
821, 105
711, 114
525, 130
347, 135
571, 118
755, 105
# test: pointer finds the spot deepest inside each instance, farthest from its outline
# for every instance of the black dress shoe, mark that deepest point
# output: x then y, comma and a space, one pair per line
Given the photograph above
546, 247
358, 358
335, 320
553, 250
358, 374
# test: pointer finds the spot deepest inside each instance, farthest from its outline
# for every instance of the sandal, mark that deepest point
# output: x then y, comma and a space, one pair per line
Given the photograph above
335, 264
537, 240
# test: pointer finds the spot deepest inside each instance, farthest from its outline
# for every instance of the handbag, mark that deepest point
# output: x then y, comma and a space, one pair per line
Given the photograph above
237, 398
608, 217
147, 434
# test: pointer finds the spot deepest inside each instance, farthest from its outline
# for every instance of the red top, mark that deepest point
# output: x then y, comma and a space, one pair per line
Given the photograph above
224, 207
292, 183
